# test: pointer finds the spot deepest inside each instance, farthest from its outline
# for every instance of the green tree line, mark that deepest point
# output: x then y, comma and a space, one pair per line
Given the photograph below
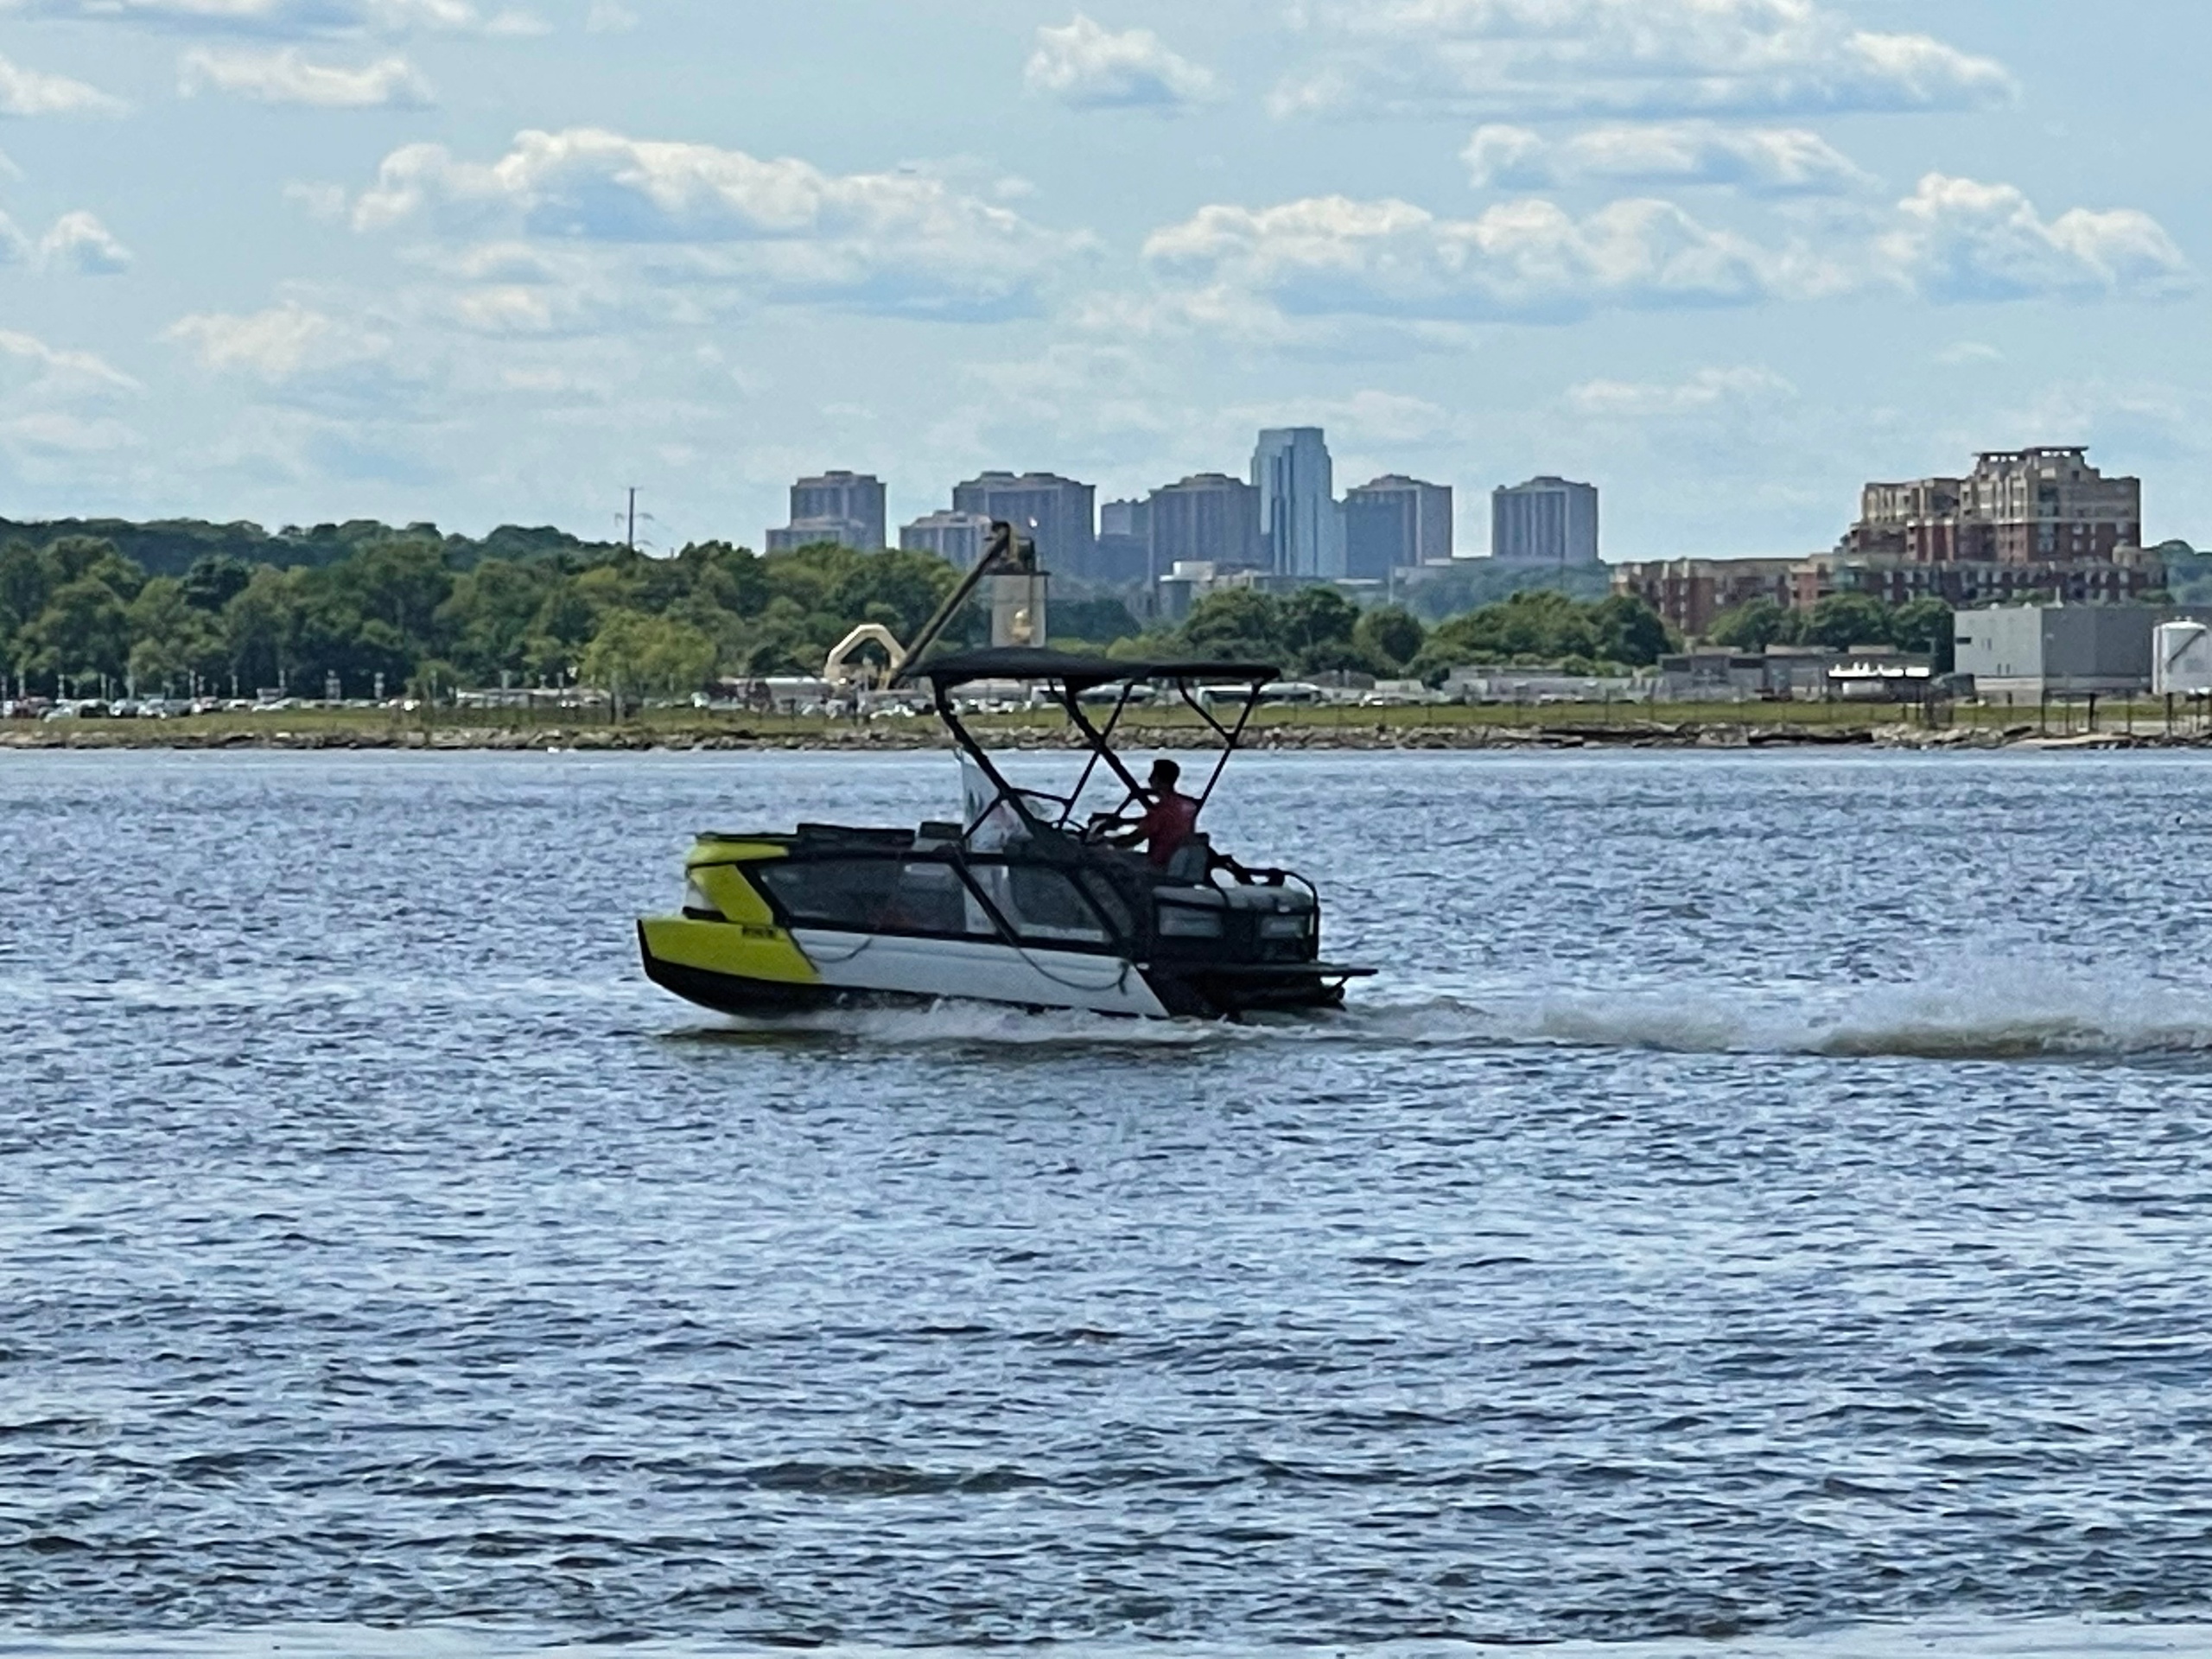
416, 612
1841, 621
78, 610
1317, 630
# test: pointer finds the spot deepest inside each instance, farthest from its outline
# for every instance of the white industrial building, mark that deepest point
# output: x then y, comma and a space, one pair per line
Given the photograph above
2027, 652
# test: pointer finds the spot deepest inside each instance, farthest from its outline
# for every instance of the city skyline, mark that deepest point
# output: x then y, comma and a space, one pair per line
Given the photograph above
485, 263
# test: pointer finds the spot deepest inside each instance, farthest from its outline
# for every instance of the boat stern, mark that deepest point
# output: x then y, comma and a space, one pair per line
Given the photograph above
726, 951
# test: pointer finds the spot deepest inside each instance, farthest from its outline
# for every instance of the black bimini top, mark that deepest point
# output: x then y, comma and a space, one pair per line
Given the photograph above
1076, 673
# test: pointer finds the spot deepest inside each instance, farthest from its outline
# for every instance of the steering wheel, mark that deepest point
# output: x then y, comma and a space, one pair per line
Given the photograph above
1101, 825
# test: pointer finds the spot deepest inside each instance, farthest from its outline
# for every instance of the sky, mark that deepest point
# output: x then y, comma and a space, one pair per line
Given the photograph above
481, 262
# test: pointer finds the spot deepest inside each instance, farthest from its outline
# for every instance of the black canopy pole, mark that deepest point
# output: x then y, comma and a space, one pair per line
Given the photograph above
1102, 747
981, 756
1017, 553
1229, 739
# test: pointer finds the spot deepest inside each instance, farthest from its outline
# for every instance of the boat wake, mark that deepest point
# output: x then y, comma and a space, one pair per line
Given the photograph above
1969, 1010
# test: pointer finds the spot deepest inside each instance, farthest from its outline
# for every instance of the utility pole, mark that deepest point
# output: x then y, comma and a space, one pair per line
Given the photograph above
630, 539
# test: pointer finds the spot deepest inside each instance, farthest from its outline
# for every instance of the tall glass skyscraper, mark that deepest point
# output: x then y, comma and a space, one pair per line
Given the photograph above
1301, 527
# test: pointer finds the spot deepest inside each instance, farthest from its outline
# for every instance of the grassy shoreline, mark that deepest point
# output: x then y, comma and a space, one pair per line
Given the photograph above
1566, 726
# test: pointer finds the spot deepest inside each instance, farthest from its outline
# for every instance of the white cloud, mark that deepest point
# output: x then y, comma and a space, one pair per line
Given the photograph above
1965, 352
29, 364
1087, 67
1369, 417
1528, 259
26, 91
1708, 391
692, 215
1765, 161
59, 435
285, 76
289, 19
1961, 240
608, 17
1507, 58
277, 346
81, 243
15, 246
320, 198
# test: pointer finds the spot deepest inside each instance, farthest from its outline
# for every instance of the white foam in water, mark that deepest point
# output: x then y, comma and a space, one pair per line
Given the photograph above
2064, 1639
1968, 1008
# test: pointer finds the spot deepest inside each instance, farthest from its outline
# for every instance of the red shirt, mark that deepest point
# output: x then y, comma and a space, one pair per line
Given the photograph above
1172, 820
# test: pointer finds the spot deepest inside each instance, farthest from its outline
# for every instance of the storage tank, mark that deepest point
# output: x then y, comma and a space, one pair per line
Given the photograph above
2181, 659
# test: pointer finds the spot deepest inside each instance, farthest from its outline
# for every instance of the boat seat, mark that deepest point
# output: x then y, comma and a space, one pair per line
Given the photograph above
1192, 861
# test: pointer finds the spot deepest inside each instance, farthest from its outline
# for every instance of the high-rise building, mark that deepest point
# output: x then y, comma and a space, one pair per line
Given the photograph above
831, 502
2017, 506
1059, 514
958, 538
812, 532
1124, 551
1208, 518
1546, 521
1301, 528
1394, 524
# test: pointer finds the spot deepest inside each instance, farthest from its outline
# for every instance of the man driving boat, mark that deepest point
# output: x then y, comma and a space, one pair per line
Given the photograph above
1170, 819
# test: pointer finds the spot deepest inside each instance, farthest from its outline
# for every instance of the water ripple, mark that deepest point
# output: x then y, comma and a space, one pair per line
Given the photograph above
1750, 1208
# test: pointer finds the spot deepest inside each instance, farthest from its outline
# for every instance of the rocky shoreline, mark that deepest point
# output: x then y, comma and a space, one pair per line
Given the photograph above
1652, 735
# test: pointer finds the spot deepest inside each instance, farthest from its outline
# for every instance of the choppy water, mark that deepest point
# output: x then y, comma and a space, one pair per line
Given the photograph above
1767, 1197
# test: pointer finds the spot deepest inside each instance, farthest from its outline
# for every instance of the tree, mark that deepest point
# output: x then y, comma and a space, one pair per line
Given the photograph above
1842, 621
1315, 620
1234, 622
172, 638
258, 625
486, 624
636, 655
1755, 625
214, 580
1098, 621
1925, 625
26, 582
1628, 631
1394, 636
84, 630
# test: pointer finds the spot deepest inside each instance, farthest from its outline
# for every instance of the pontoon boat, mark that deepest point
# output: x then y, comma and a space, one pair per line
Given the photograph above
1028, 901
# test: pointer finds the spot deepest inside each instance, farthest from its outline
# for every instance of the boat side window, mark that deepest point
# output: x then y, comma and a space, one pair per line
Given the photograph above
931, 898
1111, 904
833, 892
878, 895
1040, 904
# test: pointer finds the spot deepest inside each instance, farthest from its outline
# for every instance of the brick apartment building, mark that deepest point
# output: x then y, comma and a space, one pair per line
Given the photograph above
2025, 523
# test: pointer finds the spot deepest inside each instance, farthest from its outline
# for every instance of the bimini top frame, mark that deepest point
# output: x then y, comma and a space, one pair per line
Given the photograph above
1067, 677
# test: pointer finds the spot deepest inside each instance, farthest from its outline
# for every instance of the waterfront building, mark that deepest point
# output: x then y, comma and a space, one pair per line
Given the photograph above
1547, 521
958, 538
1059, 514
2120, 577
1690, 594
1206, 518
1802, 672
844, 508
2045, 506
1396, 524
1301, 527
2027, 652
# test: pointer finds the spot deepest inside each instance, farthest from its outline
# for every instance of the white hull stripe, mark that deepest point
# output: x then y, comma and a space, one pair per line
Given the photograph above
1029, 975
